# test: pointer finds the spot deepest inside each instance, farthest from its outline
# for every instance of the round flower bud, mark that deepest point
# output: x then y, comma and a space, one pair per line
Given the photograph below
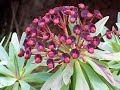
74, 53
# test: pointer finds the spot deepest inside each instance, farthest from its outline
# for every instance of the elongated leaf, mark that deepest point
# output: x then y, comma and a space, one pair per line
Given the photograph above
105, 46
102, 70
99, 25
3, 54
5, 71
6, 81
49, 82
22, 39
81, 83
116, 66
16, 86
118, 21
117, 80
105, 55
15, 42
2, 41
65, 87
37, 77
95, 80
67, 73
24, 85
115, 46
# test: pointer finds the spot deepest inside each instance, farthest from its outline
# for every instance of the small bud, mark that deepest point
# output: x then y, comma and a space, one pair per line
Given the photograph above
89, 16
38, 58
71, 40
46, 36
62, 37
35, 21
65, 58
74, 53
108, 34
116, 32
90, 48
77, 29
51, 45
50, 63
81, 6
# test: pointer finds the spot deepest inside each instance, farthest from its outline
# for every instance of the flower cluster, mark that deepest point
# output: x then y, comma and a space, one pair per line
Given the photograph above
41, 42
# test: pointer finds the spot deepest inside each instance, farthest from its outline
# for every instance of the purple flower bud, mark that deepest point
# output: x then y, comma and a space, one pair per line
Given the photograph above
28, 55
56, 20
84, 13
98, 14
89, 15
31, 42
46, 36
21, 53
77, 29
62, 37
51, 11
41, 23
116, 32
40, 46
75, 53
108, 34
46, 19
71, 40
73, 18
52, 53
51, 45
50, 63
90, 48
28, 29
65, 58
92, 28
81, 6
96, 41
35, 21
38, 58
33, 33
88, 37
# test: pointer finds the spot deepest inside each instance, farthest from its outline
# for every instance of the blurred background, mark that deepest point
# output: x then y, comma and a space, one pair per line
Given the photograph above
15, 15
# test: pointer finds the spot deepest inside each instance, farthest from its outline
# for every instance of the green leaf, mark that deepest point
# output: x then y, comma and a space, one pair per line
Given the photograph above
30, 66
22, 39
67, 73
115, 46
47, 85
37, 77
24, 85
3, 54
6, 81
81, 83
115, 66
102, 70
2, 41
16, 86
15, 42
117, 80
94, 79
99, 25
65, 87
118, 21
105, 46
105, 55
5, 71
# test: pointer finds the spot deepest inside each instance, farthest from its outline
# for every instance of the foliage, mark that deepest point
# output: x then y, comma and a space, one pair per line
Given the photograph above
15, 72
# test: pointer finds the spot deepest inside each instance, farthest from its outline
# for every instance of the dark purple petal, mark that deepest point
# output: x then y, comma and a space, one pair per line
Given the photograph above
51, 45
84, 13
73, 18
40, 46
62, 37
50, 63
46, 36
71, 40
65, 58
75, 53
77, 29
90, 48
52, 53
38, 58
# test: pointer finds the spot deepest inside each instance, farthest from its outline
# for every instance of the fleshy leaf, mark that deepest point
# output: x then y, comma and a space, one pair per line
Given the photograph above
6, 81
2, 41
102, 70
16, 86
49, 82
24, 85
118, 21
115, 46
95, 80
15, 42
81, 83
37, 77
105, 55
67, 73
99, 25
